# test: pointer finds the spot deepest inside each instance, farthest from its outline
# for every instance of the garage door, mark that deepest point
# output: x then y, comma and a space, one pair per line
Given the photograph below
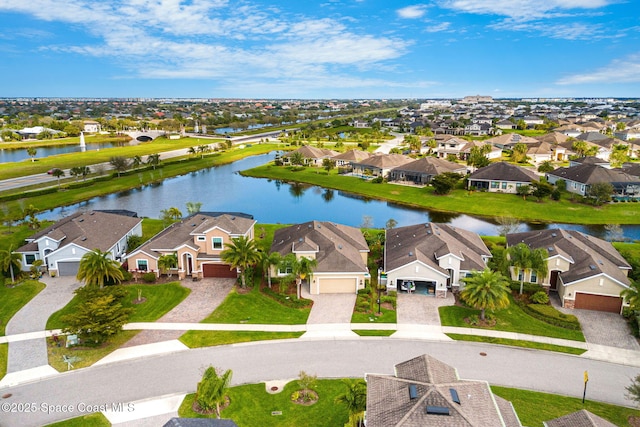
218, 270
68, 268
337, 286
598, 302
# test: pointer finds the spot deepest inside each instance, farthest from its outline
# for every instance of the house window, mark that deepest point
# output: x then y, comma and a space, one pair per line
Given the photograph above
217, 242
520, 275
29, 258
504, 185
142, 264
582, 188
285, 269
534, 276
201, 238
495, 184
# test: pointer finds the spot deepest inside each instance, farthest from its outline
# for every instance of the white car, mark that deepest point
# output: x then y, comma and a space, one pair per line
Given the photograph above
408, 286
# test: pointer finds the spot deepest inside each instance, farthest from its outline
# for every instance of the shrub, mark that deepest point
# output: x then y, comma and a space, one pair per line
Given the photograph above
364, 291
286, 300
377, 180
540, 297
528, 288
149, 277
550, 315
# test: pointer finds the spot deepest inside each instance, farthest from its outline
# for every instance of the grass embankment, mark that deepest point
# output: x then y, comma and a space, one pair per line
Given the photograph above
510, 319
325, 412
69, 196
89, 420
14, 298
517, 343
373, 333
461, 201
4, 359
72, 140
196, 339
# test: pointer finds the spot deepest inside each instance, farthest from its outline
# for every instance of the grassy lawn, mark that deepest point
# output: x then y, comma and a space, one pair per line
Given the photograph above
255, 307
510, 319
4, 359
517, 343
462, 201
533, 407
13, 299
88, 355
388, 316
262, 404
195, 339
373, 333
160, 299
151, 227
89, 420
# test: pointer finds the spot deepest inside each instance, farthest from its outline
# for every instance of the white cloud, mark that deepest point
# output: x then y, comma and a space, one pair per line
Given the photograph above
522, 9
412, 12
571, 31
443, 26
625, 70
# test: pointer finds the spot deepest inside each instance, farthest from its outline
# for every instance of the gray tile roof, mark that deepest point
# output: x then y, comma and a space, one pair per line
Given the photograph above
338, 247
426, 242
431, 166
581, 418
309, 152
389, 402
503, 171
590, 256
589, 173
90, 230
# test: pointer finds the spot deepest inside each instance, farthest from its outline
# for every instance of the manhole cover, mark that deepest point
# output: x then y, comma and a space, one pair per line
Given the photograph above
483, 354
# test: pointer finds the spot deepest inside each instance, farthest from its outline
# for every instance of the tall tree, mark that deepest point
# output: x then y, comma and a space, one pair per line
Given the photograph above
97, 268
153, 160
58, 173
10, 260
303, 268
166, 262
31, 151
193, 207
523, 259
486, 290
241, 253
212, 389
600, 192
136, 161
119, 164
269, 260
171, 214
355, 398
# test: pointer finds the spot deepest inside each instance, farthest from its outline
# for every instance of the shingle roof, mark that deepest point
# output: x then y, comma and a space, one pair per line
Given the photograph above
431, 166
589, 173
309, 152
589, 255
90, 230
503, 171
581, 418
353, 155
389, 402
386, 161
426, 242
338, 247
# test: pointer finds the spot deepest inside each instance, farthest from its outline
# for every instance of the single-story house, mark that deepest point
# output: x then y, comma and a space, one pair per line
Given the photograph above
580, 178
585, 271
501, 177
541, 152
380, 164
421, 171
424, 391
62, 245
508, 140
581, 418
435, 257
313, 156
351, 156
197, 241
33, 132
340, 251
92, 126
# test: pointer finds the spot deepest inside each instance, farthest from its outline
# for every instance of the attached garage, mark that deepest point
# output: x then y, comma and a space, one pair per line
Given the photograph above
598, 302
68, 268
337, 286
219, 270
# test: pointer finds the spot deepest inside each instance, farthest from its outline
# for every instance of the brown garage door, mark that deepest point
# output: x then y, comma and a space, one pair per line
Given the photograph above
218, 270
598, 302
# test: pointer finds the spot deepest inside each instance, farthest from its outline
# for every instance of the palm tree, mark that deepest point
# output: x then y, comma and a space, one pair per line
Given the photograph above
193, 207
212, 389
522, 258
203, 149
269, 260
302, 268
153, 160
632, 295
355, 397
486, 290
192, 151
58, 173
136, 161
241, 253
96, 268
31, 151
10, 259
166, 262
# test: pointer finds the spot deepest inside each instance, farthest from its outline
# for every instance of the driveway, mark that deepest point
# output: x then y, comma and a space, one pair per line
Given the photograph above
329, 308
417, 309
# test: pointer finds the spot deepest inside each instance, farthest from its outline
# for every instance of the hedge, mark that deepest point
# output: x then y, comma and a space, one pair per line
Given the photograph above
287, 300
550, 315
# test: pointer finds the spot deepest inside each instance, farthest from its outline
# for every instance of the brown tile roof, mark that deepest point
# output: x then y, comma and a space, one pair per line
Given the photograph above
589, 255
427, 242
581, 418
431, 166
90, 230
509, 139
503, 171
309, 152
386, 161
553, 138
337, 247
352, 156
389, 402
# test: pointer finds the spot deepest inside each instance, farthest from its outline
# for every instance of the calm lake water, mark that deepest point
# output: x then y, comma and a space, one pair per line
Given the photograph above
19, 154
222, 188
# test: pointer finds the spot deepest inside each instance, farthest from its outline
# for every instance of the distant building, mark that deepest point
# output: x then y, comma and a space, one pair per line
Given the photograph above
476, 99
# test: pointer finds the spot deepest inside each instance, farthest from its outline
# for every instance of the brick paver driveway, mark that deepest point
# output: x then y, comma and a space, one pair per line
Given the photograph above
421, 309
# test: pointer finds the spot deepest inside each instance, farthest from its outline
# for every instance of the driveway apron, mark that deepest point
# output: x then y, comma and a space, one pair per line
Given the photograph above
33, 318
329, 308
417, 309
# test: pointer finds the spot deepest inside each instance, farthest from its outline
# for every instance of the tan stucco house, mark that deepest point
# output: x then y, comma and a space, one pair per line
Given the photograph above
340, 251
501, 177
433, 256
197, 241
585, 271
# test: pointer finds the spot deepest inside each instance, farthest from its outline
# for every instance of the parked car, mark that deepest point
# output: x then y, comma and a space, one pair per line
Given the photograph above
408, 286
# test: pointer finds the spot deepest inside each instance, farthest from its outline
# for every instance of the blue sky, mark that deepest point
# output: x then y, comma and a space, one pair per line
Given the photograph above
326, 49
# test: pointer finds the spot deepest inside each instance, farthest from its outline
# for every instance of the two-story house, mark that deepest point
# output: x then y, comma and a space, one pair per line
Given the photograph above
197, 241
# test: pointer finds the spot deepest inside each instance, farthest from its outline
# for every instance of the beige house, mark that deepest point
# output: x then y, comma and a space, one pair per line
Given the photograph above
341, 253
380, 164
585, 271
501, 177
197, 242
434, 257
312, 156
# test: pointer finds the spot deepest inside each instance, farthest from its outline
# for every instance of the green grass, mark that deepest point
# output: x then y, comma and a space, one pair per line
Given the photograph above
89, 420
518, 343
151, 227
195, 339
160, 299
255, 307
13, 299
510, 319
462, 201
251, 405
388, 316
4, 359
13, 237
374, 333
533, 407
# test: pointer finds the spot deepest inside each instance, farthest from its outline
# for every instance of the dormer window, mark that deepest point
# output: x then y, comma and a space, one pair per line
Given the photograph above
216, 242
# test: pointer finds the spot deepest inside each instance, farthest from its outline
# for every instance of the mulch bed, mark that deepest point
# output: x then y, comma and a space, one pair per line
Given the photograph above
307, 398
197, 409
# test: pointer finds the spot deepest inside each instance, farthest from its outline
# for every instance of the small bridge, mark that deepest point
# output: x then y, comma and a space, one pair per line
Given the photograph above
145, 135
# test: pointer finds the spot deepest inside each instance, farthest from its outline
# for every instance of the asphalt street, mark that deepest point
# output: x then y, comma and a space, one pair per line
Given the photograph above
137, 379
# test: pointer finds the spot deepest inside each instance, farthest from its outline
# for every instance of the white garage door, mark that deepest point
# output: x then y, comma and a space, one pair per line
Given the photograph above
68, 268
337, 286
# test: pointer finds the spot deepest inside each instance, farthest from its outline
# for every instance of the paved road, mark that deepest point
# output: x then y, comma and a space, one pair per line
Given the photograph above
256, 362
